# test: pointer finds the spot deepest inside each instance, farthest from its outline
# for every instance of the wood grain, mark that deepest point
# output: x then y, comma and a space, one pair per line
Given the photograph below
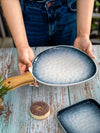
18, 81
19, 101
5, 59
16, 117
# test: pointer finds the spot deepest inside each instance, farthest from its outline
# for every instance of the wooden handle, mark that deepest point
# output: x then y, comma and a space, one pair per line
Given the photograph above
15, 82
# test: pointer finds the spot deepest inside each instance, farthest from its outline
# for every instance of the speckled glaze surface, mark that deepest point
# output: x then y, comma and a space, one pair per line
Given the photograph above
83, 117
62, 66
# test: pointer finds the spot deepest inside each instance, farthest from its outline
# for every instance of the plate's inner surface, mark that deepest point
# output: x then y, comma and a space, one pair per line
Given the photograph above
81, 118
63, 65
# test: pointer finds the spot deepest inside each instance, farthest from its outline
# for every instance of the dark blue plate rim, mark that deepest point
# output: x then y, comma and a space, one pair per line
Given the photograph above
90, 100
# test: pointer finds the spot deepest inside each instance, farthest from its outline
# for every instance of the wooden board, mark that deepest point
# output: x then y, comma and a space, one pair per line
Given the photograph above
16, 117
19, 101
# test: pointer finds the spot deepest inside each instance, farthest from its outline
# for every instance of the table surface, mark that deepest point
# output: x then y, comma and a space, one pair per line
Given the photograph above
16, 117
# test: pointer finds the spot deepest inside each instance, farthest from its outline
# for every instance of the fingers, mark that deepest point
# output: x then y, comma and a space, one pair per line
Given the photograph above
85, 45
25, 58
23, 65
27, 62
90, 52
21, 68
77, 45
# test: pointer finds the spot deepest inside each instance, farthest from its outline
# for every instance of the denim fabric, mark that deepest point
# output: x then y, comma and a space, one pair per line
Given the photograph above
71, 5
48, 26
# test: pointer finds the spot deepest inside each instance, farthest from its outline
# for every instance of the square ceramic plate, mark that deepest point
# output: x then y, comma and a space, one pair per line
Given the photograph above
83, 117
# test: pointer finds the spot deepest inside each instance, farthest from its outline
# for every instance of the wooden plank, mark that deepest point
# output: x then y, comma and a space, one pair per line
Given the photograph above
18, 102
16, 118
97, 55
57, 98
89, 89
96, 83
5, 60
84, 91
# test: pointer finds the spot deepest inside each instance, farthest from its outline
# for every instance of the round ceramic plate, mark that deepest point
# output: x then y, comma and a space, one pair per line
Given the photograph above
62, 66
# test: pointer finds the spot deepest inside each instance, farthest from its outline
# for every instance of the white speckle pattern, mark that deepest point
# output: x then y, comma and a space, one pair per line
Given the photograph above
63, 65
82, 118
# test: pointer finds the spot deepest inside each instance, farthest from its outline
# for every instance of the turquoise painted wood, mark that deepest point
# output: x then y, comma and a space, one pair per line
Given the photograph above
16, 117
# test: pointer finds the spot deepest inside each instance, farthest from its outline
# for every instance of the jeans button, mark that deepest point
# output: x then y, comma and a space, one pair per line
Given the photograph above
49, 4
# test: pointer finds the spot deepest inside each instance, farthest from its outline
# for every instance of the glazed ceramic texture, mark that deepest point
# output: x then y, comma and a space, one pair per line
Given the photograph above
63, 65
84, 117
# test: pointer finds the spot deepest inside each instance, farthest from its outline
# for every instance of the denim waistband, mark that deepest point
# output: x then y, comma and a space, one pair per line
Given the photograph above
42, 3
46, 1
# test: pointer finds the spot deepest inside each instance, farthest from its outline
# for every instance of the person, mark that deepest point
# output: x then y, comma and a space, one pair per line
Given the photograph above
48, 22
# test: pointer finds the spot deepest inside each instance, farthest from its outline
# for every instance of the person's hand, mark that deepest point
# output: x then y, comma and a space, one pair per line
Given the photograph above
84, 44
25, 57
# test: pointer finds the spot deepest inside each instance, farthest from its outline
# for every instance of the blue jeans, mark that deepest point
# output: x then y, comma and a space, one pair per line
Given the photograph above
49, 25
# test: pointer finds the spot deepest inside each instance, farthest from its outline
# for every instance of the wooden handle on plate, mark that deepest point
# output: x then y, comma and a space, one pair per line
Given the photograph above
15, 82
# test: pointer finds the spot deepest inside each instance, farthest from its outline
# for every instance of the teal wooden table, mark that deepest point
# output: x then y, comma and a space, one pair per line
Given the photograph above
16, 117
